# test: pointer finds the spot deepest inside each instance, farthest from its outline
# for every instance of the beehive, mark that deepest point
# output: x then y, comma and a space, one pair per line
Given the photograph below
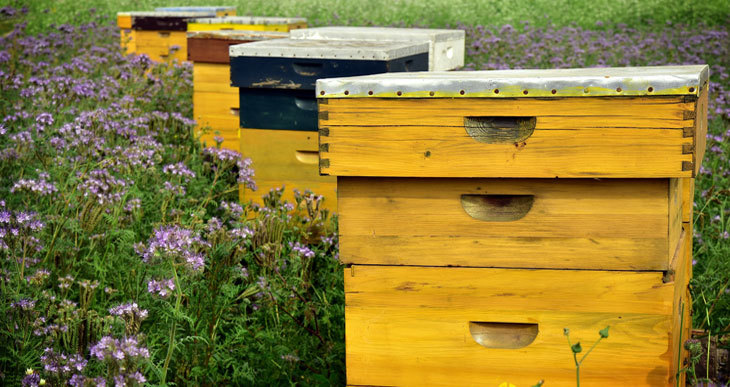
445, 47
160, 35
536, 200
249, 23
215, 102
278, 116
220, 11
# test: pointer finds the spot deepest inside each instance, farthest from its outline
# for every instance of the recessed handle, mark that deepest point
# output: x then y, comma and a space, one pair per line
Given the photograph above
163, 34
309, 104
236, 112
307, 69
497, 208
503, 335
307, 157
409, 65
500, 130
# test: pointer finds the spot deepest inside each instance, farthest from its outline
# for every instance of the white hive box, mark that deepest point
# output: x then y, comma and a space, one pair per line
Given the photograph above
446, 47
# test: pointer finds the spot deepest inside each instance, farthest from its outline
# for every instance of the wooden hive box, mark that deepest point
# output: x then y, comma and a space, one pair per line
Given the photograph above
220, 11
215, 101
249, 23
160, 35
278, 106
537, 200
445, 47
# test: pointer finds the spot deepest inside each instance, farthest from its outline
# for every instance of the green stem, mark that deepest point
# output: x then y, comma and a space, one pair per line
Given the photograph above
171, 344
577, 375
679, 351
589, 351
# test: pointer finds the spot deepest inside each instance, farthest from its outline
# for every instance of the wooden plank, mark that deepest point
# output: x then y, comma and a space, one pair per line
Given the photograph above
682, 305
124, 21
573, 223
286, 157
700, 132
214, 103
410, 326
688, 194
675, 196
578, 137
211, 50
246, 27
214, 78
163, 38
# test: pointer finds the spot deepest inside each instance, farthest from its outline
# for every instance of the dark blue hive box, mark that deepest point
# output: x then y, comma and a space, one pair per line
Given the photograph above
276, 78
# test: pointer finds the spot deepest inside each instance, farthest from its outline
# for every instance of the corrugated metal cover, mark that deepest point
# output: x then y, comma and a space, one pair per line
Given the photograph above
583, 82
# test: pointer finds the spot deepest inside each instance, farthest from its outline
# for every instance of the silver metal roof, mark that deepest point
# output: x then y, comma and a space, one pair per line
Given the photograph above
198, 9
329, 49
167, 14
259, 20
584, 82
238, 35
378, 33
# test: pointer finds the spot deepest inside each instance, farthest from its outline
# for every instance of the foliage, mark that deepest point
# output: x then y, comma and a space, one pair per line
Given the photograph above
124, 255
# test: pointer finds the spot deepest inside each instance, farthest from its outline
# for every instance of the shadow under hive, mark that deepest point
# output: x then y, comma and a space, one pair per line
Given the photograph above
160, 35
278, 106
536, 200
215, 101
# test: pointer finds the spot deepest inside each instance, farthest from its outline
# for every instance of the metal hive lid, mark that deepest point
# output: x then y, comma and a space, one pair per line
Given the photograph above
215, 8
258, 20
329, 49
582, 82
237, 35
378, 33
166, 14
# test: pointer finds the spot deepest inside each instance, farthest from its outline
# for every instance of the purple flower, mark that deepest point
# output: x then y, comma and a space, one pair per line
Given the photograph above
302, 250
179, 169
129, 311
163, 288
177, 243
102, 186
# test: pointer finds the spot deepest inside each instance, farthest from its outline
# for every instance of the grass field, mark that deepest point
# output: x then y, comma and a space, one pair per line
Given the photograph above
77, 115
431, 13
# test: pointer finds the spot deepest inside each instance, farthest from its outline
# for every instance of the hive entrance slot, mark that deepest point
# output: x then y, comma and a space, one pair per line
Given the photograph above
499, 130
497, 208
503, 335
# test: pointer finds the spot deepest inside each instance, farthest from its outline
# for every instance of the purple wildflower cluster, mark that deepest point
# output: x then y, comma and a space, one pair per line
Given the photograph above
177, 243
41, 186
60, 366
301, 250
162, 288
179, 169
225, 158
103, 186
109, 348
526, 46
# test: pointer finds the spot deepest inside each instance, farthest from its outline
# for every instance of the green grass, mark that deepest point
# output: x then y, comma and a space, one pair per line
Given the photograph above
431, 13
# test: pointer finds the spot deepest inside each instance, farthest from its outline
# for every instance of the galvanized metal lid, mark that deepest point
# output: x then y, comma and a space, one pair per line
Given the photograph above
256, 20
581, 82
167, 14
329, 49
238, 35
378, 33
214, 8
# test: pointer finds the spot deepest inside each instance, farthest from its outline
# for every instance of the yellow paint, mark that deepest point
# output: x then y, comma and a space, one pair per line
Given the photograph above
611, 224
586, 138
127, 40
416, 320
682, 306
162, 46
226, 12
213, 77
275, 162
246, 27
124, 21
688, 194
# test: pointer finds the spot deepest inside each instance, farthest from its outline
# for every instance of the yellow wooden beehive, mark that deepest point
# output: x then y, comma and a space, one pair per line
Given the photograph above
535, 200
215, 102
249, 23
160, 35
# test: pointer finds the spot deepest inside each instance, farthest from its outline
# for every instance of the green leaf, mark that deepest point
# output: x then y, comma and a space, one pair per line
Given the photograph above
576, 347
604, 332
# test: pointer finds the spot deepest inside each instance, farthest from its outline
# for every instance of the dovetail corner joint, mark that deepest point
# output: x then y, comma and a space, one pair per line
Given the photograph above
668, 276
689, 115
324, 147
323, 101
686, 165
324, 163
324, 132
690, 98
688, 149
688, 132
326, 116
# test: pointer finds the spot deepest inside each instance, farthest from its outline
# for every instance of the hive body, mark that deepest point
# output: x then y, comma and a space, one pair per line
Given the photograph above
525, 215
278, 114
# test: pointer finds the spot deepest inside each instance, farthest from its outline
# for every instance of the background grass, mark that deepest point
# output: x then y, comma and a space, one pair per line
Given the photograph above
431, 13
